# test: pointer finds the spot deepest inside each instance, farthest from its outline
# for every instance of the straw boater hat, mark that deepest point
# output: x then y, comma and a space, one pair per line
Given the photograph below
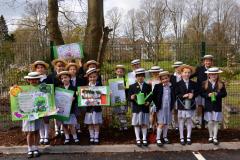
72, 64
34, 65
90, 62
90, 71
33, 75
140, 71
208, 56
164, 73
55, 61
180, 68
177, 64
155, 69
213, 70
63, 73
135, 61
120, 66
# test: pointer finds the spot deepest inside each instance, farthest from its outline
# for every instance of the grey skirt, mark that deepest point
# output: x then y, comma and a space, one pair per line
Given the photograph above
213, 116
185, 113
140, 119
72, 120
200, 101
164, 116
93, 118
30, 126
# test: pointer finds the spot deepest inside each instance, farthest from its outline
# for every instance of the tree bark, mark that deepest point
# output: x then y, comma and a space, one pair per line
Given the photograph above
52, 23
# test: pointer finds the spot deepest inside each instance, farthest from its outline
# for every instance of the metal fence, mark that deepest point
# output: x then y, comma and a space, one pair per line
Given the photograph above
15, 59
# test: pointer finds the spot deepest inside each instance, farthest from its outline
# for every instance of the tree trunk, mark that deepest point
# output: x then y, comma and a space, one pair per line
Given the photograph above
52, 23
94, 30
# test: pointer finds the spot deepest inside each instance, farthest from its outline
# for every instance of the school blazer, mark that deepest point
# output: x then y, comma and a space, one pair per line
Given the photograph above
181, 89
173, 80
200, 74
48, 80
79, 82
55, 80
94, 108
135, 89
158, 94
213, 106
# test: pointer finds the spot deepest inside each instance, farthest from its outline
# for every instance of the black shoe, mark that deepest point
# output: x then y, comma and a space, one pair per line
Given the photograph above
96, 141
145, 143
210, 140
46, 141
182, 142
138, 143
41, 141
76, 141
166, 141
30, 154
57, 133
159, 143
189, 142
150, 130
36, 153
215, 141
91, 141
79, 131
66, 142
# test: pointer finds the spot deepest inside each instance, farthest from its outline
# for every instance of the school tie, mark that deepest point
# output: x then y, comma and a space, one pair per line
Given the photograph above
141, 85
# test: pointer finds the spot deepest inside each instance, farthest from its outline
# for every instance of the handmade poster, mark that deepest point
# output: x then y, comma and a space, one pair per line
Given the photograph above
63, 101
68, 51
93, 96
32, 102
131, 78
118, 94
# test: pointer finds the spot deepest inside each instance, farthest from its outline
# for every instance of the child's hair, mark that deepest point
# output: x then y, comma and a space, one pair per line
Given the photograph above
219, 84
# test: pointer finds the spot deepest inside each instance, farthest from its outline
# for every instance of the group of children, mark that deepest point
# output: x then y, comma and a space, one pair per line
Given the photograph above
167, 96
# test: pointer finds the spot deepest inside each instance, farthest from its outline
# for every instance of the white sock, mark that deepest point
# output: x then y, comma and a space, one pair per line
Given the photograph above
137, 132
96, 135
181, 127
30, 148
144, 133
91, 132
46, 129
210, 128
35, 147
159, 132
165, 131
77, 126
189, 127
215, 129
74, 136
67, 136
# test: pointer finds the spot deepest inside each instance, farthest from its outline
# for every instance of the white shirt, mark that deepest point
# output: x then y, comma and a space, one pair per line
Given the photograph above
91, 84
43, 77
186, 83
141, 85
213, 83
66, 87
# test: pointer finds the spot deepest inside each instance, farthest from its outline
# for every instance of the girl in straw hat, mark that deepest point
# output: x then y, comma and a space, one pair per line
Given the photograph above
93, 116
186, 91
213, 90
69, 125
93, 64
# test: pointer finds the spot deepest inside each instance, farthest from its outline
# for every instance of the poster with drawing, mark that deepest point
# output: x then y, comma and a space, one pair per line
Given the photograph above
32, 102
63, 101
68, 51
117, 90
93, 96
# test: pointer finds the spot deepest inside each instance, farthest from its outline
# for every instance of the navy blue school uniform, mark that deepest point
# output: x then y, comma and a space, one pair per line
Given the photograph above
182, 89
54, 79
200, 74
140, 112
213, 110
47, 80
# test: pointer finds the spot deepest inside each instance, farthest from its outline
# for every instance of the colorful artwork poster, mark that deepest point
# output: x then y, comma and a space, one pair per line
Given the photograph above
93, 96
117, 90
68, 51
63, 101
32, 102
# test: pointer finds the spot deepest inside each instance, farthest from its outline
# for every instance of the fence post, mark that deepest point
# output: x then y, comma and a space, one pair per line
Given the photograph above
203, 48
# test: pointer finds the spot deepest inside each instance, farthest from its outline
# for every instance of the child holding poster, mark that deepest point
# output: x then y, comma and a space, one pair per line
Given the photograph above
31, 128
213, 90
93, 117
42, 67
69, 125
93, 64
140, 98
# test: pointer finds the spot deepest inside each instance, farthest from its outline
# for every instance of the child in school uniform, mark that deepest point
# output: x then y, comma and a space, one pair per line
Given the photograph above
31, 128
119, 113
176, 77
76, 81
140, 113
164, 99
93, 64
42, 67
93, 117
154, 71
186, 91
69, 125
213, 90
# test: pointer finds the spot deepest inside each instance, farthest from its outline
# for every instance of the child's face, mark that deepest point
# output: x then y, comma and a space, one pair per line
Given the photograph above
93, 77
213, 77
41, 69
208, 63
186, 73
65, 79
92, 66
72, 70
59, 67
165, 79
140, 78
33, 82
120, 72
155, 74
136, 66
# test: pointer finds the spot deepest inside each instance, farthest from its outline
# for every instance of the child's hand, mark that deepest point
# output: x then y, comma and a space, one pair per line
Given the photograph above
190, 95
147, 103
210, 94
133, 97
185, 95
